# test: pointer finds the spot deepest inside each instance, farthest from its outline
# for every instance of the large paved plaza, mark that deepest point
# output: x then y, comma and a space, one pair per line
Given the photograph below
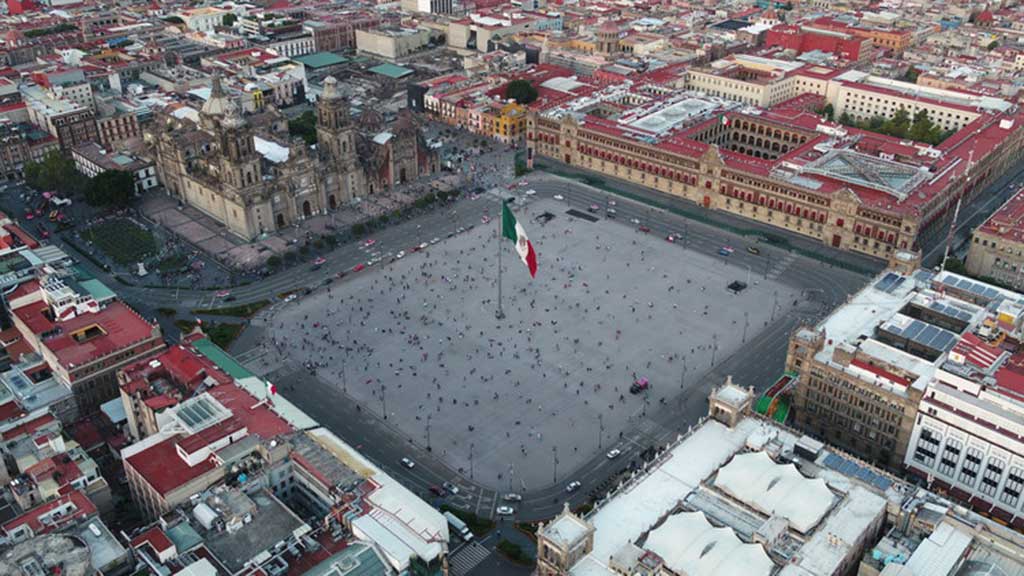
609, 305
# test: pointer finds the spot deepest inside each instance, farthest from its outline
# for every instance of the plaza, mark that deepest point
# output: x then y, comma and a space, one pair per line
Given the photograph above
419, 341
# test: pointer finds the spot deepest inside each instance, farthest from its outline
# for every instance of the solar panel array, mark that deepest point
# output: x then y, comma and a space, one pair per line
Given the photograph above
950, 310
921, 333
854, 470
889, 283
976, 288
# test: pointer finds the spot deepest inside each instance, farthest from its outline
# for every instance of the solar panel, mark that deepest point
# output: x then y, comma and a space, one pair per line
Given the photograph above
899, 282
853, 470
886, 282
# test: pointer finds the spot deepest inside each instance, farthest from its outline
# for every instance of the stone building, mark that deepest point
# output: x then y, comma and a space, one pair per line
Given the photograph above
255, 179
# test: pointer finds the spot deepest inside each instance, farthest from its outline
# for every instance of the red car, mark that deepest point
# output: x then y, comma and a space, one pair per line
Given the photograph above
359, 267
644, 229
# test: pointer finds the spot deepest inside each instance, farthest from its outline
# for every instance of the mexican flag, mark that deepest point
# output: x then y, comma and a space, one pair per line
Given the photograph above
271, 389
723, 120
513, 230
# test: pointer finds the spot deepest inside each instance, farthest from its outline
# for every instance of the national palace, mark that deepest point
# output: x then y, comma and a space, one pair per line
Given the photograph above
746, 135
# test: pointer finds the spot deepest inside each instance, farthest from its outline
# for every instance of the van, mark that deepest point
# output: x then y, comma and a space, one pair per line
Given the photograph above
459, 526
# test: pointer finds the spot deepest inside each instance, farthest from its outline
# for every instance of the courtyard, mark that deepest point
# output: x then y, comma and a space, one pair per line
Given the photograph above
417, 341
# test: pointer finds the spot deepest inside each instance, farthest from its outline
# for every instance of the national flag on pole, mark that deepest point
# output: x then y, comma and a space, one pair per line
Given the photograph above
723, 120
271, 389
513, 230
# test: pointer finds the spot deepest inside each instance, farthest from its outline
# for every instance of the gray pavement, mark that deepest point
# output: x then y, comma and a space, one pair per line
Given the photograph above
550, 382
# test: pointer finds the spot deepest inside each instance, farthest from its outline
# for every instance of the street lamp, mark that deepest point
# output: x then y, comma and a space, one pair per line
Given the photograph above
383, 402
428, 433
554, 454
714, 348
600, 433
746, 324
471, 446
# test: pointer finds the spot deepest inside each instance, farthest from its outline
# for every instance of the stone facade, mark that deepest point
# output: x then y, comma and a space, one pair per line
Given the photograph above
216, 167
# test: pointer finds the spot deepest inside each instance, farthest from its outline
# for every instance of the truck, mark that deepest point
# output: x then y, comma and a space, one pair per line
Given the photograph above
459, 526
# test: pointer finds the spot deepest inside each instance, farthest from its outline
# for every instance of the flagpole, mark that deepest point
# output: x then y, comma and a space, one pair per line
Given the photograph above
500, 314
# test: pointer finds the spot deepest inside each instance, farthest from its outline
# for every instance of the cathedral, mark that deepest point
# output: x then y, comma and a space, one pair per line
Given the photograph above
246, 172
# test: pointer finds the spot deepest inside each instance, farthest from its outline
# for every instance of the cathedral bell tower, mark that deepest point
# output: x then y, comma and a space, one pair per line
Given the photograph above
334, 130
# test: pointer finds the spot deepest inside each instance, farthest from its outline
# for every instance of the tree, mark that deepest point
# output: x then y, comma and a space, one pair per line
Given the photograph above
56, 173
174, 20
922, 128
521, 91
304, 126
899, 125
845, 119
828, 111
228, 20
993, 45
112, 189
911, 75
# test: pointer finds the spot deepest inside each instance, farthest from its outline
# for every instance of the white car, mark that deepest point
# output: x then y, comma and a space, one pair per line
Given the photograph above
614, 453
451, 488
573, 486
435, 240
505, 511
400, 254
531, 192
423, 245
559, 197
612, 203
635, 221
290, 297
512, 497
408, 463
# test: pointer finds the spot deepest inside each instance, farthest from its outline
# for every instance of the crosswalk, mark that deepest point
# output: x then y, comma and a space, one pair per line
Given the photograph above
780, 266
466, 558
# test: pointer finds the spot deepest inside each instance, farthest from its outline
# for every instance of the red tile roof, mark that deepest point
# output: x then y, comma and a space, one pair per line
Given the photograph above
28, 427
155, 537
162, 467
83, 507
1008, 221
121, 328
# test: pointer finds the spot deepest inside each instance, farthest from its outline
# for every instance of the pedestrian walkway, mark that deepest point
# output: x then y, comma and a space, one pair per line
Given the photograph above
780, 266
467, 558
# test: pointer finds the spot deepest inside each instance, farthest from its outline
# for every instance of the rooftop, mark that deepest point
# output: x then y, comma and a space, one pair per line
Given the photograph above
271, 523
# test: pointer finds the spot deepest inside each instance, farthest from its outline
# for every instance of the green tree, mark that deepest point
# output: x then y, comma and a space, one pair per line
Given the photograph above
56, 173
228, 20
922, 127
911, 74
521, 91
112, 189
993, 45
828, 111
304, 126
845, 119
899, 125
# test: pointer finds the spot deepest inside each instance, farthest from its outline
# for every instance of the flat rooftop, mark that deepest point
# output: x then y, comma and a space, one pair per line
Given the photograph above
271, 523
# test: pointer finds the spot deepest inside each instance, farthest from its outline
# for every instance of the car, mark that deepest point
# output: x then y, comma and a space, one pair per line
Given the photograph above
531, 192
358, 267
610, 213
512, 497
505, 510
423, 245
400, 255
573, 486
670, 238
634, 221
370, 262
485, 220
522, 183
30, 216
320, 260
753, 250
474, 196
558, 197
290, 297
408, 463
369, 242
437, 490
612, 203
435, 240
725, 251
593, 208
230, 299
644, 229
414, 248
613, 453
223, 294
451, 488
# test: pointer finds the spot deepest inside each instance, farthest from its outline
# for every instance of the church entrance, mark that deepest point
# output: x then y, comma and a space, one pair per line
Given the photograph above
306, 210
332, 202
280, 221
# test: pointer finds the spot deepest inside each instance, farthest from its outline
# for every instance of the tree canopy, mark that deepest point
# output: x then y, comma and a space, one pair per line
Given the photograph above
55, 172
228, 20
112, 189
920, 128
305, 126
521, 91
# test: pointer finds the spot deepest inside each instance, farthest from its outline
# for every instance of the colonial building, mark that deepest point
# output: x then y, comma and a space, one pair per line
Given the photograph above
256, 180
997, 246
787, 166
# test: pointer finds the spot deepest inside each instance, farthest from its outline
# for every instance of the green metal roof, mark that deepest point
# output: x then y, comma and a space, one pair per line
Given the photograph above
98, 290
391, 70
321, 59
218, 356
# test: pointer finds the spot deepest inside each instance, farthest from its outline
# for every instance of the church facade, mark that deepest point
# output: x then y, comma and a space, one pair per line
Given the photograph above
250, 175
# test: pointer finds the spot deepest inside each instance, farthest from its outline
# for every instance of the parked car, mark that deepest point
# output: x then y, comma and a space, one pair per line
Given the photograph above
451, 488
505, 510
573, 486
613, 453
753, 250
408, 463
512, 497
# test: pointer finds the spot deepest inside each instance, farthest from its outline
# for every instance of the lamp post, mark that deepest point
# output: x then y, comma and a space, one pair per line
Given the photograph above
714, 348
600, 433
428, 433
554, 455
383, 402
746, 324
471, 446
